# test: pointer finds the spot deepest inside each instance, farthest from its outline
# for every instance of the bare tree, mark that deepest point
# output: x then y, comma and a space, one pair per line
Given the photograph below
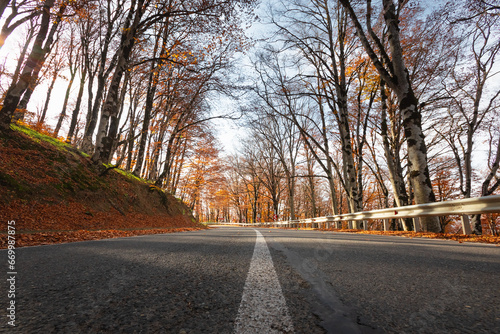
262, 159
390, 64
41, 47
73, 63
20, 13
471, 101
141, 17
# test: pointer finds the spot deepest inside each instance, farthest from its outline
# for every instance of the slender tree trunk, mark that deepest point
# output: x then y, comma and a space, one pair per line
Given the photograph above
487, 189
167, 166
291, 196
312, 188
76, 110
393, 164
146, 122
94, 105
41, 120
341, 110
35, 61
131, 135
93, 113
33, 64
20, 113
104, 141
65, 104
397, 78
113, 127
3, 6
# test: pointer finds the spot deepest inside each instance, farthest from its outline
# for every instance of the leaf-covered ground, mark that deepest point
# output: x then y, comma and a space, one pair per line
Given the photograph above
50, 238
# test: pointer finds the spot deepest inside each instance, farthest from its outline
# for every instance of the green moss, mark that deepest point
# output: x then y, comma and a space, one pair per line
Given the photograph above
38, 137
9, 181
131, 176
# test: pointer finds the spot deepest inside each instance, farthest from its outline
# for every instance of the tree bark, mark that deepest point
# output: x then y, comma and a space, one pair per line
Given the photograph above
76, 110
104, 141
95, 104
33, 63
148, 108
41, 120
65, 104
3, 6
20, 113
397, 78
393, 162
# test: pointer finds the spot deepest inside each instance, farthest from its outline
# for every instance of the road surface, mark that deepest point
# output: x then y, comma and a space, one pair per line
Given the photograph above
244, 280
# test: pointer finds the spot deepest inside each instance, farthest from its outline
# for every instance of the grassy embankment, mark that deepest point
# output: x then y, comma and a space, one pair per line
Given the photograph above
55, 194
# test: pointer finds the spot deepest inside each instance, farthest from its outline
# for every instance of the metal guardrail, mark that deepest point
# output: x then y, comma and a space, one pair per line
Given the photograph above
462, 207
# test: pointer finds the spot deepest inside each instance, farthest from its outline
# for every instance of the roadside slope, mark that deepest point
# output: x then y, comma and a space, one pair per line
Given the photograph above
54, 193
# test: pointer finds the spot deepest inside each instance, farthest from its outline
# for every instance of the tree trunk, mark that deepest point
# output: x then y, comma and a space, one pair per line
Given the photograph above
131, 135
65, 104
104, 140
41, 120
113, 127
168, 162
3, 6
312, 189
92, 114
33, 63
487, 189
417, 158
291, 196
147, 119
76, 110
341, 111
393, 163
20, 112
397, 78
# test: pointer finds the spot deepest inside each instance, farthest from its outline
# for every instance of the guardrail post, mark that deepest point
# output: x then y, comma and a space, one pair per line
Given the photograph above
465, 224
387, 224
329, 223
416, 224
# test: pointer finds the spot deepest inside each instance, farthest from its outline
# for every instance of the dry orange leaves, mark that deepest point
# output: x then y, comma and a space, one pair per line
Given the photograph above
48, 238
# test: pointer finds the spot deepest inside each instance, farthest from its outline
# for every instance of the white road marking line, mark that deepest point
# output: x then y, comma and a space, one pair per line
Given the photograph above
263, 307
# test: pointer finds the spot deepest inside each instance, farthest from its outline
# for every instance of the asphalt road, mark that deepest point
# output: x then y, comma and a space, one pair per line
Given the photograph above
193, 282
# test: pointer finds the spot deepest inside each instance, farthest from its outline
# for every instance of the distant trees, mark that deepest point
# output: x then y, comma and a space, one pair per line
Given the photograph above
372, 86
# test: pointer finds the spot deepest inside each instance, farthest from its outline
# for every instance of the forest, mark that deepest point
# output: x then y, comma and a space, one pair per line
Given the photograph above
343, 106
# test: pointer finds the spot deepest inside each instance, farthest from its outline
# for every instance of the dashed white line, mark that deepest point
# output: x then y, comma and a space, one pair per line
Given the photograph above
263, 307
